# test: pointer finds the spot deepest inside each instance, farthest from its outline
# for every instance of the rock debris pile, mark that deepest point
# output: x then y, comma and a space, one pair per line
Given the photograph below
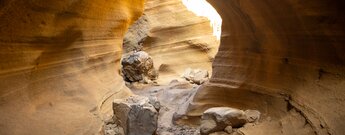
153, 114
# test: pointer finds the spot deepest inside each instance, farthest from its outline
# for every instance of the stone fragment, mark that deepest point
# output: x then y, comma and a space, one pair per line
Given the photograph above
228, 129
197, 76
222, 117
138, 67
111, 128
252, 115
209, 126
135, 115
154, 101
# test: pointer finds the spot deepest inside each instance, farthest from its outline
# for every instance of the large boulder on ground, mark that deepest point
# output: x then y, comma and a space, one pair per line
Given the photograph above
138, 67
197, 76
218, 118
136, 115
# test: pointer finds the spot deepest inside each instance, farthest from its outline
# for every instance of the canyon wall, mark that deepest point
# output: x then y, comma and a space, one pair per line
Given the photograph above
175, 37
59, 63
280, 55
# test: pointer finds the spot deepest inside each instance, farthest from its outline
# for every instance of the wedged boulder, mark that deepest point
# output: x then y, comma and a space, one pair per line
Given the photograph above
197, 76
219, 118
138, 67
137, 115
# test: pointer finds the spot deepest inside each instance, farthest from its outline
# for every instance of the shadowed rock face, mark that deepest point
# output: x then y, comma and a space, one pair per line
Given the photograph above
280, 53
59, 63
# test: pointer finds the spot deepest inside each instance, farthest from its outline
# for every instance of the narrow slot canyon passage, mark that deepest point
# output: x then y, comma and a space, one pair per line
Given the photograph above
172, 67
167, 56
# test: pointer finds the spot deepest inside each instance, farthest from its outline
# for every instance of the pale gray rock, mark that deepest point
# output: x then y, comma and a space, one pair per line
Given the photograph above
252, 115
223, 117
197, 76
111, 128
135, 115
228, 129
209, 126
154, 101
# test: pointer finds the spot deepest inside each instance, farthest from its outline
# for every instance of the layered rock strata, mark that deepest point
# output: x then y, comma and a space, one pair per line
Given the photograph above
59, 63
280, 57
174, 37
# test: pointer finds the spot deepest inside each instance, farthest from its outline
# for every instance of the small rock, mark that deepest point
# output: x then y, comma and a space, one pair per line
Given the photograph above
154, 101
175, 84
228, 129
222, 117
208, 126
113, 129
226, 115
252, 115
136, 115
196, 76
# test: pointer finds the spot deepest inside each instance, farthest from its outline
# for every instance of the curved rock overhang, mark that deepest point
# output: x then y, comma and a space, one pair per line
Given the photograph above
275, 55
59, 63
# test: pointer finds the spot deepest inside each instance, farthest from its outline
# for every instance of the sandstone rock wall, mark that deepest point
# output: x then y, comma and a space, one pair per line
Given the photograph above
276, 54
59, 63
175, 38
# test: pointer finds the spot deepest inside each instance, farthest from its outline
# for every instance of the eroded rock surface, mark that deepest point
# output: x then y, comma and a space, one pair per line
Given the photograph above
197, 76
136, 35
136, 115
138, 67
171, 98
273, 51
219, 119
111, 128
59, 63
175, 38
